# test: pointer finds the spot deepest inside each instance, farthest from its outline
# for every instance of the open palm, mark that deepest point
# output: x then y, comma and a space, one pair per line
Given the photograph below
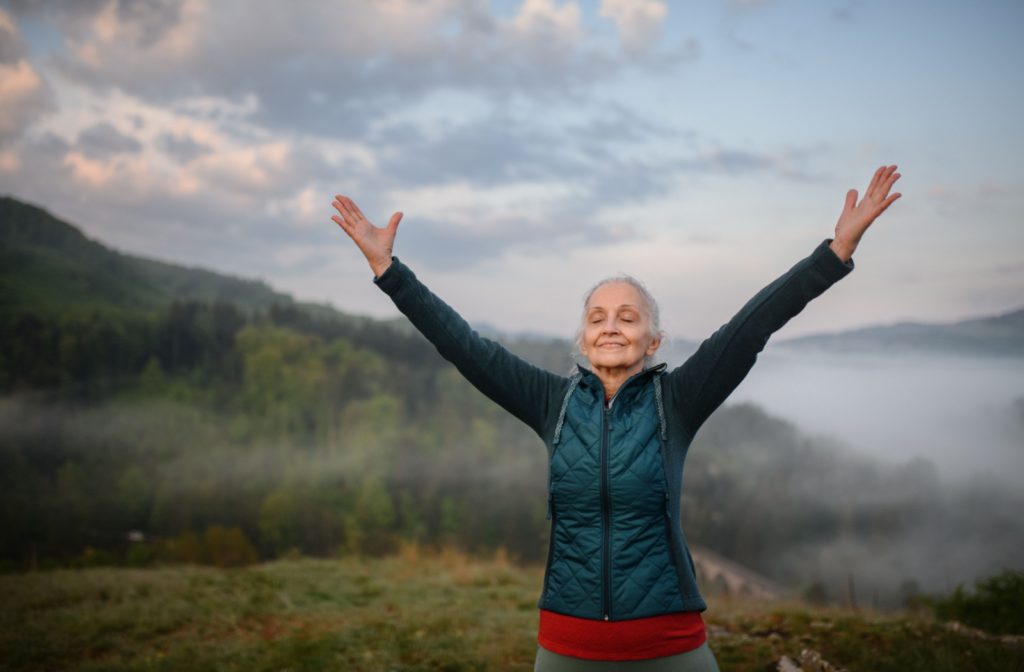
857, 217
376, 243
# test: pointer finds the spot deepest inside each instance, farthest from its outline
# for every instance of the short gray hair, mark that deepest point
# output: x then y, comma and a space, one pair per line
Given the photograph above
650, 305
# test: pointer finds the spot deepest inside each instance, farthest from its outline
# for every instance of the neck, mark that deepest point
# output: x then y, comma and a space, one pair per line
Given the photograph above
613, 377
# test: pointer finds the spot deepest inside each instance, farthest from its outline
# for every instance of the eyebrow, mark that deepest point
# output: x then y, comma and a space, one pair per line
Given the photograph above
624, 305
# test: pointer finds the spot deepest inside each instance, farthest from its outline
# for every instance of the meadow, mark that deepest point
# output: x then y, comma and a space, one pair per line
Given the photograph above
412, 611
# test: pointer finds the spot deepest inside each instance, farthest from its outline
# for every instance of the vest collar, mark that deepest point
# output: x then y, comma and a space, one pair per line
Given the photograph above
591, 380
592, 377
587, 378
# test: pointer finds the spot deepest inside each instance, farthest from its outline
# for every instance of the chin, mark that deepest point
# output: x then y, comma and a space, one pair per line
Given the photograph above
615, 363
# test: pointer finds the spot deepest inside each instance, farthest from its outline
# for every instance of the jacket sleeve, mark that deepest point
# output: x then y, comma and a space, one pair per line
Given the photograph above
722, 361
522, 389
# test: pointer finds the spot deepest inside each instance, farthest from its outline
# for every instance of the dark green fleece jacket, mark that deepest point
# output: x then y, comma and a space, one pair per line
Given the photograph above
617, 550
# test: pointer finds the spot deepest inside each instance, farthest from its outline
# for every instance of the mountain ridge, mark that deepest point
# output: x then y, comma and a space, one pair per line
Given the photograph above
52, 266
995, 335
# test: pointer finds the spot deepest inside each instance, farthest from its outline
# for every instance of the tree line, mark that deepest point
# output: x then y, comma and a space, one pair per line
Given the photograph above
205, 433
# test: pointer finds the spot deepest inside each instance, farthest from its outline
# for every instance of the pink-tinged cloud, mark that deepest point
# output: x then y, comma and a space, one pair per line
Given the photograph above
639, 22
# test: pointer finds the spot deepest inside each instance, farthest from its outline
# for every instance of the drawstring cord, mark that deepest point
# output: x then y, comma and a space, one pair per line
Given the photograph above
573, 382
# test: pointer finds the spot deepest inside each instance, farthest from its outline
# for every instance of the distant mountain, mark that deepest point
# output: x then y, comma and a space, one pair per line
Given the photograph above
998, 335
49, 266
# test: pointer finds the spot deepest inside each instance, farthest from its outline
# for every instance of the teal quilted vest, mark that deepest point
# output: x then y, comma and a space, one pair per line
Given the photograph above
615, 550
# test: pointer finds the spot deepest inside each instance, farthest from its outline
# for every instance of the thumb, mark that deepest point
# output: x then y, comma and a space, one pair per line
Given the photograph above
851, 199
393, 224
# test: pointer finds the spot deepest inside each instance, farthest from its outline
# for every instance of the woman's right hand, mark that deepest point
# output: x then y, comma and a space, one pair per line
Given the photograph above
374, 242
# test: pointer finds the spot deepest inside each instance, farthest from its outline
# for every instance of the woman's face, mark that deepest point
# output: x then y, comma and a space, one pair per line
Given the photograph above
617, 329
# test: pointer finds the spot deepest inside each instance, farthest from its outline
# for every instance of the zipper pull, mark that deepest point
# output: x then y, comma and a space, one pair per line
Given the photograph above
606, 617
668, 506
550, 505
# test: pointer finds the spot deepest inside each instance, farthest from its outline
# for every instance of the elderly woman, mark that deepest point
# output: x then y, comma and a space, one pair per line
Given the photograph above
620, 588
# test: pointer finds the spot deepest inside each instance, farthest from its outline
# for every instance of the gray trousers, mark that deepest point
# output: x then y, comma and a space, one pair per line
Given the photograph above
700, 659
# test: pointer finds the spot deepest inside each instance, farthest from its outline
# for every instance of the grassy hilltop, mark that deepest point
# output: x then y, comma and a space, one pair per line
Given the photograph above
410, 611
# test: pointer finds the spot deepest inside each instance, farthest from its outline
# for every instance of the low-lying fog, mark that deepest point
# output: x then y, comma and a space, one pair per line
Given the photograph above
966, 414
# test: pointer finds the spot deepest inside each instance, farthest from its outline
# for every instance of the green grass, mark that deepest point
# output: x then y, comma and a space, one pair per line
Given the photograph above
748, 636
410, 612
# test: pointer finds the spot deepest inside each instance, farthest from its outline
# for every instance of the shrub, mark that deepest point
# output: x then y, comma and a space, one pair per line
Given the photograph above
995, 605
228, 547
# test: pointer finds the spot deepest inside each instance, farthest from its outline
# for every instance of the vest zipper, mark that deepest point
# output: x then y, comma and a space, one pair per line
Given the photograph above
606, 516
606, 495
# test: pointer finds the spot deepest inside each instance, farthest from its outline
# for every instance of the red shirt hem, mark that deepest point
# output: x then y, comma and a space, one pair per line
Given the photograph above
632, 639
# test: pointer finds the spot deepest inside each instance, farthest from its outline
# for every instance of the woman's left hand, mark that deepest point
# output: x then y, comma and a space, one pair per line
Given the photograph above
857, 217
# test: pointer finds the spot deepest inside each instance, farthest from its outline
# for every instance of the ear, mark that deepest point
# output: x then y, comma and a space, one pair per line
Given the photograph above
580, 348
655, 344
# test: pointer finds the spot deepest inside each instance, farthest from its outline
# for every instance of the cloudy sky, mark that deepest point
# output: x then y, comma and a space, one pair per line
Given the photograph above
535, 146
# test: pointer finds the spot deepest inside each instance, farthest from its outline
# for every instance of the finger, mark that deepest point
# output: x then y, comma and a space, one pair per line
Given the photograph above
886, 176
349, 209
889, 201
887, 185
874, 181
355, 208
346, 217
345, 226
393, 224
851, 200
338, 206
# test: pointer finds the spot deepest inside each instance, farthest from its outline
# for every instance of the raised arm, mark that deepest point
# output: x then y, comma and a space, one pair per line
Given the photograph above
521, 388
723, 360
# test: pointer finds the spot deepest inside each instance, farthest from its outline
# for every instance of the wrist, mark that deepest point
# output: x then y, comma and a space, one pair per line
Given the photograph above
379, 266
843, 249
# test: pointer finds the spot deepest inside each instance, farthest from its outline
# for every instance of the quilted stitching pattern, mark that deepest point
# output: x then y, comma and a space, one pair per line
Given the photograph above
575, 574
643, 576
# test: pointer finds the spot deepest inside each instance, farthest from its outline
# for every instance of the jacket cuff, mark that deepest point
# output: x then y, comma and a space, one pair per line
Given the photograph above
829, 263
391, 279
